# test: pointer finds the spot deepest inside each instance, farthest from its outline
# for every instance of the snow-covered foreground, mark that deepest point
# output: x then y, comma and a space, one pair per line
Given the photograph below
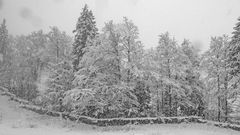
17, 121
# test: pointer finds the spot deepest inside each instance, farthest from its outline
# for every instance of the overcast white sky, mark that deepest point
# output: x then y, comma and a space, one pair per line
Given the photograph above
196, 20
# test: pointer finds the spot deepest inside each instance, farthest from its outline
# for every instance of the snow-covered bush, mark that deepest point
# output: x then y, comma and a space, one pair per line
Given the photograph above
102, 102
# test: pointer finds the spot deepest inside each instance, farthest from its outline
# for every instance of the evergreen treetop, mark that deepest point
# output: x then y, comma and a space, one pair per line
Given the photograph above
85, 32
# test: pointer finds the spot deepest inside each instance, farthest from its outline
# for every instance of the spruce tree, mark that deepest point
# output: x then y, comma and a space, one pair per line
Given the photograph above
233, 60
234, 51
233, 63
85, 31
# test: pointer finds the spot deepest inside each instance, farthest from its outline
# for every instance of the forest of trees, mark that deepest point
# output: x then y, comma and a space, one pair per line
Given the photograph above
108, 74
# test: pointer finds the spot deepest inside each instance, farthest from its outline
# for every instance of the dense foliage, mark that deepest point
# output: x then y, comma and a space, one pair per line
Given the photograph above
109, 74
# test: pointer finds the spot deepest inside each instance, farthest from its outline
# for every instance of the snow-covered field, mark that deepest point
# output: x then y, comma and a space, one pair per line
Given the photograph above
17, 121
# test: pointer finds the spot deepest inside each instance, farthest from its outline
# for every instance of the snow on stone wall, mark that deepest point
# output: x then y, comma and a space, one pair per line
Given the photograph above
116, 121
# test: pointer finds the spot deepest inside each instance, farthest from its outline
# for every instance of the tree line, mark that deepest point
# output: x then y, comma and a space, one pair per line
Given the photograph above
107, 73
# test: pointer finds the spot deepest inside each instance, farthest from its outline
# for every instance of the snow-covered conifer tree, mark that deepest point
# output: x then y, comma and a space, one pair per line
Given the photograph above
85, 32
233, 60
3, 41
214, 63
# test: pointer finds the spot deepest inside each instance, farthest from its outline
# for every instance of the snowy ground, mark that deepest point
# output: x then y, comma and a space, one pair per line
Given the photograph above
17, 121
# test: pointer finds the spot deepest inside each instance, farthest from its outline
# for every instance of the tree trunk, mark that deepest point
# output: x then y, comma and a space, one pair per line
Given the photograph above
129, 71
218, 90
226, 97
170, 102
162, 105
129, 60
118, 64
226, 88
57, 50
219, 99
219, 112
169, 89
158, 106
226, 110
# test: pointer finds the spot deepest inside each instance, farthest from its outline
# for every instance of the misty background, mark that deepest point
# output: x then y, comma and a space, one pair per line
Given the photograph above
196, 20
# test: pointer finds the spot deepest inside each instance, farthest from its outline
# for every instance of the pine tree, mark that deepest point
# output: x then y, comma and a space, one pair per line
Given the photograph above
5, 56
233, 61
85, 32
154, 73
3, 41
164, 69
214, 61
191, 80
167, 50
234, 51
102, 74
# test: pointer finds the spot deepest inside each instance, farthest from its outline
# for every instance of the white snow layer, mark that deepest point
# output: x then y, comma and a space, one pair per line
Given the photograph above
17, 121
